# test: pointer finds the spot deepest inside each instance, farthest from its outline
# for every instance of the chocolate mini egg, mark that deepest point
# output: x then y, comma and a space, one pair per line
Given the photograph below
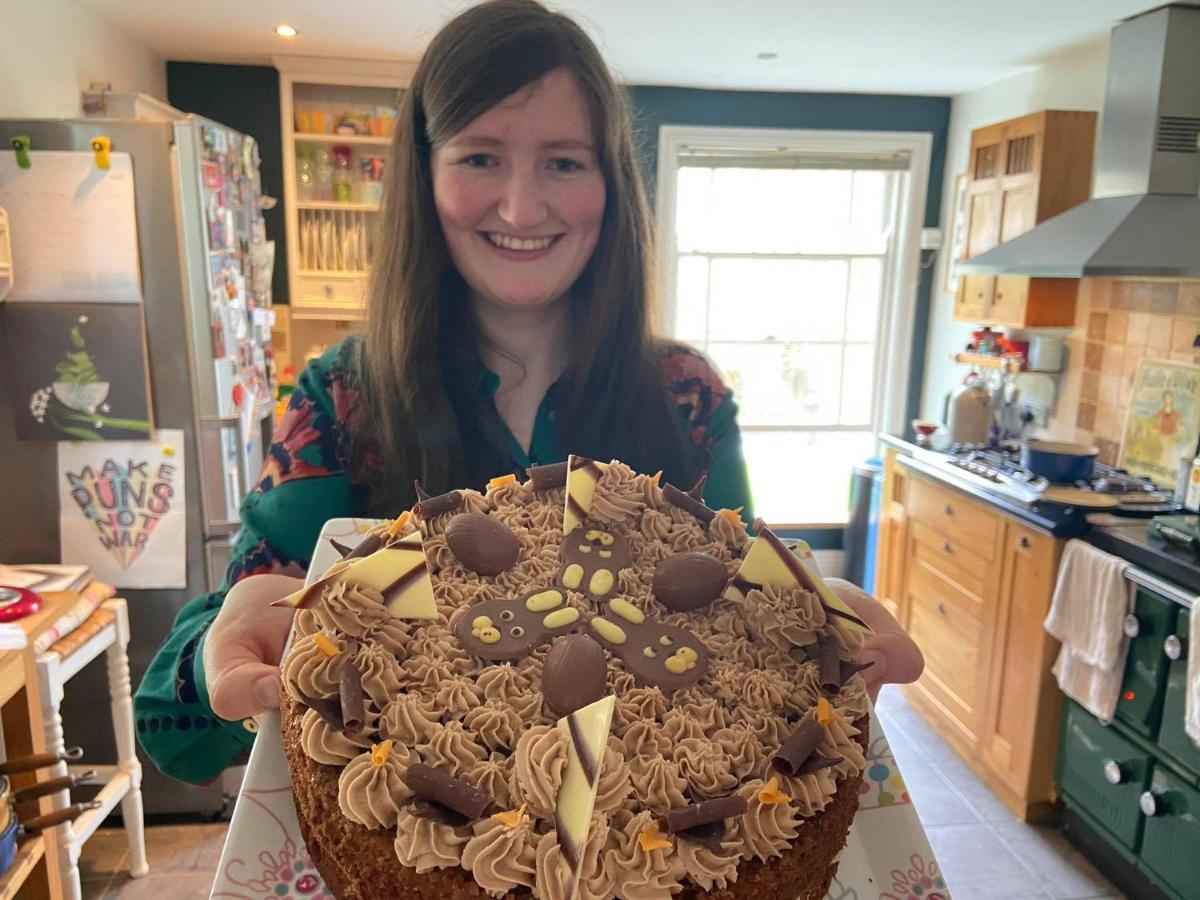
574, 673
482, 544
689, 581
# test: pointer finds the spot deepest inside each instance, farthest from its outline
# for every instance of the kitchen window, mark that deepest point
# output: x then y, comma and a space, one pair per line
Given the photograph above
791, 259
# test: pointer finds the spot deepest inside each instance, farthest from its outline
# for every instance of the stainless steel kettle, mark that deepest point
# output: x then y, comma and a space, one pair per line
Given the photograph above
969, 412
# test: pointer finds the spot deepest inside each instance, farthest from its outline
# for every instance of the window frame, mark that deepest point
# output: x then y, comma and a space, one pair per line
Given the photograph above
902, 279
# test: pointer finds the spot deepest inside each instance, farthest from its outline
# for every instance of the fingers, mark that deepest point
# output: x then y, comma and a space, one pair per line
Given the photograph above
897, 658
244, 689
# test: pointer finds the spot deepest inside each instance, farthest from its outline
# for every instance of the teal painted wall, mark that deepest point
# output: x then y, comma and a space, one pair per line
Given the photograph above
656, 106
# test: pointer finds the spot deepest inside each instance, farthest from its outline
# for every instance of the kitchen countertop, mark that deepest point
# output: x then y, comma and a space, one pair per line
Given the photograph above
1073, 527
1131, 539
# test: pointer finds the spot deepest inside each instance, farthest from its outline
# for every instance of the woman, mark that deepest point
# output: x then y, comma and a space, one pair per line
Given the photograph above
507, 323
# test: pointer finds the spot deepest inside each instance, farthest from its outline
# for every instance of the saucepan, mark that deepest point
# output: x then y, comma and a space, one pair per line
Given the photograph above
1057, 461
10, 827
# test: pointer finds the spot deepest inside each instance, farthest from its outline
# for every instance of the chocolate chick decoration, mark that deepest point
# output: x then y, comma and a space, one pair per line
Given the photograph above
592, 557
504, 630
656, 654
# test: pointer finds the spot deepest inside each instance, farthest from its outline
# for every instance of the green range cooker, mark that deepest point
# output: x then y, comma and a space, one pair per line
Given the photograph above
1131, 787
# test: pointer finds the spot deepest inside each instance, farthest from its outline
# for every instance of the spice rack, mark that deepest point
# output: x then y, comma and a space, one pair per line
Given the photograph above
332, 218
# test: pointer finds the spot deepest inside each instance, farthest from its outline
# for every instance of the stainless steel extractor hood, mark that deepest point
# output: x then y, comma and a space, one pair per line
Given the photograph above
1144, 215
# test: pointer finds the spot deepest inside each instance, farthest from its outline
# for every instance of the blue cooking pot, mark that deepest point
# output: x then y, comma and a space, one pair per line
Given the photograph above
1058, 461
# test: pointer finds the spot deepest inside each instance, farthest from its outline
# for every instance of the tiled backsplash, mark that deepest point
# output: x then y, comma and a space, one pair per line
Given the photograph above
1117, 325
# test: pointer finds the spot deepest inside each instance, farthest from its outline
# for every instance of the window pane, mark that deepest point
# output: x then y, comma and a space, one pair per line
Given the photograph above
858, 384
803, 477
692, 200
868, 212
783, 384
863, 303
691, 298
778, 299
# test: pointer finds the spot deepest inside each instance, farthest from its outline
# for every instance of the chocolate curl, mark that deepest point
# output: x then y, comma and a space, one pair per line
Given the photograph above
803, 654
350, 693
816, 763
831, 666
329, 710
446, 790
706, 812
432, 507
366, 547
709, 836
342, 549
850, 668
688, 503
422, 494
427, 809
796, 750
547, 478
697, 491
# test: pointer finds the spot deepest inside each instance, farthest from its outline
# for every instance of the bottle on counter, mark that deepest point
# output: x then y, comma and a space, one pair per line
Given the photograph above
1192, 501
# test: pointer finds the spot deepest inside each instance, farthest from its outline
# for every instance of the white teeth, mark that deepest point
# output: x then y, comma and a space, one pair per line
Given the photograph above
512, 243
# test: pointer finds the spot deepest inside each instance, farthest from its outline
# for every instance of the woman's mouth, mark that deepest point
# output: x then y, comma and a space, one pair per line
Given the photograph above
511, 247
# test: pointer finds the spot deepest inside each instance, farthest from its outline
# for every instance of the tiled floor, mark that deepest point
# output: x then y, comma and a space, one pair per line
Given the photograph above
984, 851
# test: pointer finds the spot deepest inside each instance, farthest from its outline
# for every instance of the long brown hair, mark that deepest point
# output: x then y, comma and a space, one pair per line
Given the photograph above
418, 358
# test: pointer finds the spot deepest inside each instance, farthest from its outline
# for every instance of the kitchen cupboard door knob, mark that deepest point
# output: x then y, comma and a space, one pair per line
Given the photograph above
1148, 804
1173, 647
941, 607
946, 546
1024, 543
949, 510
1113, 773
1132, 626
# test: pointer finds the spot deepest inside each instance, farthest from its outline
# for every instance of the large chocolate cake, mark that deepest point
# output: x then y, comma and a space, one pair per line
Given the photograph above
584, 685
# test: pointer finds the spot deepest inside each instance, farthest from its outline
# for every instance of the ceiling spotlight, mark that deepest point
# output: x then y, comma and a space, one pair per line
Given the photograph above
767, 55
285, 31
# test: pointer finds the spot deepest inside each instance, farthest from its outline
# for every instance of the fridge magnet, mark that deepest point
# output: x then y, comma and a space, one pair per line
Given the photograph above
78, 371
122, 510
1163, 422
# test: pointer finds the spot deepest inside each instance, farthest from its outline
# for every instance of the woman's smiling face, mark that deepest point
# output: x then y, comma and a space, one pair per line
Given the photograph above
520, 194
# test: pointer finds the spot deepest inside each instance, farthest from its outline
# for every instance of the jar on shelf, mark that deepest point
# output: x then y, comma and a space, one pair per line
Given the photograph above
323, 169
306, 175
370, 170
341, 174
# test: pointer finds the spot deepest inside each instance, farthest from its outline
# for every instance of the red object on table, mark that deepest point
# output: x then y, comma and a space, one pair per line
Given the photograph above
17, 603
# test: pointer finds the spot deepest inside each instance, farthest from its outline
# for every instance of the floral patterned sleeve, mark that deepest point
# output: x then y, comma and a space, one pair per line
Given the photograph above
304, 482
707, 405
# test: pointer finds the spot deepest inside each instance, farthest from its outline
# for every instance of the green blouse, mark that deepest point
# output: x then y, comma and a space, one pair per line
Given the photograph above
306, 480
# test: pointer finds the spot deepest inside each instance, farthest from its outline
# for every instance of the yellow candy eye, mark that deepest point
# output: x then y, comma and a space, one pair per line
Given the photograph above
517, 631
507, 615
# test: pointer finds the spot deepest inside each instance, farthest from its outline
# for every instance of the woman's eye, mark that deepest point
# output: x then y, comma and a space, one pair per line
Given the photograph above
479, 161
565, 165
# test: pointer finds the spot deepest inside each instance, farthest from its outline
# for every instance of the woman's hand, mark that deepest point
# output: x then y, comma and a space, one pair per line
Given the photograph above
244, 646
897, 658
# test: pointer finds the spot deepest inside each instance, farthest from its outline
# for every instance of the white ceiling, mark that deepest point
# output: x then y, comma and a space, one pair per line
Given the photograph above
940, 47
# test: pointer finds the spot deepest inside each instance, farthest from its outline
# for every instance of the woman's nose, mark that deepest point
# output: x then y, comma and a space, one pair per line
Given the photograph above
522, 204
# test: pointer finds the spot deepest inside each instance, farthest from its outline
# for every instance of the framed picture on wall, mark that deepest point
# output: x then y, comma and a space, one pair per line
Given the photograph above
955, 236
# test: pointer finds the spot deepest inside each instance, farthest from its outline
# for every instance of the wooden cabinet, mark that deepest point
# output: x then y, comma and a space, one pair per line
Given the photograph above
1022, 172
972, 586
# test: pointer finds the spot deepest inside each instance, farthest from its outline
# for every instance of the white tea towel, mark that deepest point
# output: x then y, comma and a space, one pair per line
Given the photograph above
1191, 707
1087, 615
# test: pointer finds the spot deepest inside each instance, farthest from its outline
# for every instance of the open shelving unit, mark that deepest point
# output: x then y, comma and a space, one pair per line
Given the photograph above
34, 872
330, 243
